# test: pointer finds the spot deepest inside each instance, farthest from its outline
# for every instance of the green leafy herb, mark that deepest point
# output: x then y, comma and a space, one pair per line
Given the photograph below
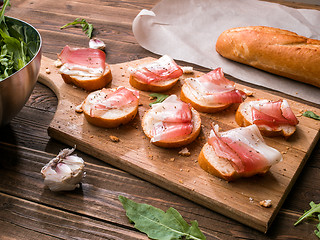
315, 208
87, 28
18, 44
158, 224
160, 98
311, 114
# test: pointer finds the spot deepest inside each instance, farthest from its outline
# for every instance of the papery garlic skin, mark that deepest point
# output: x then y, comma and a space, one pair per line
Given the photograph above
64, 172
97, 44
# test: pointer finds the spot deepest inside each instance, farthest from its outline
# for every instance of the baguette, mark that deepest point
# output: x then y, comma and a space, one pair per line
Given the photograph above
110, 115
273, 50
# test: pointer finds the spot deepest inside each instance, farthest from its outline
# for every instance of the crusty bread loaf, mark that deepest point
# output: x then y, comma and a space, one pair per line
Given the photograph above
148, 123
220, 167
273, 50
112, 117
244, 118
89, 83
188, 97
158, 86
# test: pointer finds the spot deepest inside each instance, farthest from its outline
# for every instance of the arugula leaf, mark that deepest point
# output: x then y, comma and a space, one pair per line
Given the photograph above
311, 114
160, 98
18, 44
86, 27
317, 232
315, 208
158, 224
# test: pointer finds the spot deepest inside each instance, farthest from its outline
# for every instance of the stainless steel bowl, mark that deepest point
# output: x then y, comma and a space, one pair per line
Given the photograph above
16, 89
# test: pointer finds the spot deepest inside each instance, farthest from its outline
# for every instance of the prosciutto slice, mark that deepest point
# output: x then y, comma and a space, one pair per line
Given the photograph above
214, 88
244, 148
172, 119
82, 61
118, 98
273, 114
162, 69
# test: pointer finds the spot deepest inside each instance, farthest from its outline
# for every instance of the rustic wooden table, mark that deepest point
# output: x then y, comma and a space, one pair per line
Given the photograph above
28, 211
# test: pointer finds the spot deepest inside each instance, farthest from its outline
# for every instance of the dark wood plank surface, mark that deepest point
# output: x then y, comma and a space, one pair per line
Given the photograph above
28, 211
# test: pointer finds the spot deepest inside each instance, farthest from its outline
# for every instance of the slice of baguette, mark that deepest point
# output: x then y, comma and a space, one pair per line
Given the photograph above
147, 126
112, 117
220, 167
90, 84
244, 118
158, 86
188, 95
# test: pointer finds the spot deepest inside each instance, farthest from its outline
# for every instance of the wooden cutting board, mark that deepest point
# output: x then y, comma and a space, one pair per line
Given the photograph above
182, 175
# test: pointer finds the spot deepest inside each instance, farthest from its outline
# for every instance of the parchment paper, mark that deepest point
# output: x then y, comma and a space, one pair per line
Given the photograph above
187, 30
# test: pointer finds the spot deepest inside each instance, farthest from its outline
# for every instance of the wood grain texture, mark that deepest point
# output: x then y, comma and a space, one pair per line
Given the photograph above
30, 148
134, 153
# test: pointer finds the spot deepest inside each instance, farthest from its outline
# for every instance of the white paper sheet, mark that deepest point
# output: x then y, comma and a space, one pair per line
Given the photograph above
187, 30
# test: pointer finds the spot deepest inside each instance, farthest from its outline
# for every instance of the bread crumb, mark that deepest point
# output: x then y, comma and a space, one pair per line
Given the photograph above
185, 152
57, 63
266, 203
79, 109
48, 71
114, 138
249, 93
187, 70
250, 199
180, 181
172, 159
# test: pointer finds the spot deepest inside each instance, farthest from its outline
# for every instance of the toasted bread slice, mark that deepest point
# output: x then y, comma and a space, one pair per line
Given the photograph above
244, 118
89, 83
221, 167
189, 96
158, 86
148, 123
156, 76
109, 118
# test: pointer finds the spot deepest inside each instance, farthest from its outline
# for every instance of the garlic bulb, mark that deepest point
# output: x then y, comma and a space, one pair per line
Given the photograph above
97, 44
64, 172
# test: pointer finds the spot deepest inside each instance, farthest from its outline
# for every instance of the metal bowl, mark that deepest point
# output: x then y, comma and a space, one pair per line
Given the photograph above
16, 89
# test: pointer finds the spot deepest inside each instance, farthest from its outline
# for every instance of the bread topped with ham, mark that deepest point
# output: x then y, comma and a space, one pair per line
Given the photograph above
111, 107
172, 123
239, 152
85, 68
211, 92
157, 76
273, 118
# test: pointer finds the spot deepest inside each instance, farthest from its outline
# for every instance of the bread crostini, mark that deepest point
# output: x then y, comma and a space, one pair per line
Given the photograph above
111, 107
211, 92
172, 123
239, 152
273, 118
85, 68
157, 76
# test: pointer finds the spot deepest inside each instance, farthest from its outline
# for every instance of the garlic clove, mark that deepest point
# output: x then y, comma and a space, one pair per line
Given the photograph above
97, 44
64, 172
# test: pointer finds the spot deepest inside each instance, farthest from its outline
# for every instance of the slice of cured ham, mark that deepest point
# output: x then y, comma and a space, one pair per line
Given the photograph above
245, 149
116, 98
214, 88
273, 113
162, 69
82, 62
170, 119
